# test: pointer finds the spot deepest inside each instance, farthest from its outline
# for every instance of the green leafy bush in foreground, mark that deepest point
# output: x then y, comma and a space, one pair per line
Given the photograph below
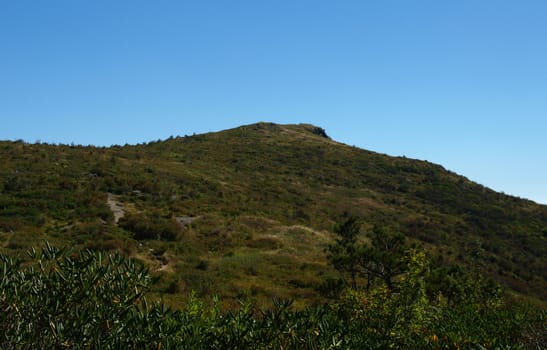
76, 300
96, 301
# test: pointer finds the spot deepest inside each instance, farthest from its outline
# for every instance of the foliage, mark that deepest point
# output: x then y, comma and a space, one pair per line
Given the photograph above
83, 300
150, 226
90, 300
344, 254
261, 201
383, 258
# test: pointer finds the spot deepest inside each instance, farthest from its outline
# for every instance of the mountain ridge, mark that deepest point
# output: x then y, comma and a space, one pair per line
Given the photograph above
254, 188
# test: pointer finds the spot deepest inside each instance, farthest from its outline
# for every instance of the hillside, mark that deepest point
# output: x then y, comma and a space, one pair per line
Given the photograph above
249, 211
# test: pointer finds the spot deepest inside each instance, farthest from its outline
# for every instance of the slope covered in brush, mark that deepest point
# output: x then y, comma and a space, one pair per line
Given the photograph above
251, 209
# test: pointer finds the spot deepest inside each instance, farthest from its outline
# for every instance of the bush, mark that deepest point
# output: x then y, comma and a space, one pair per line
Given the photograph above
83, 300
151, 226
95, 301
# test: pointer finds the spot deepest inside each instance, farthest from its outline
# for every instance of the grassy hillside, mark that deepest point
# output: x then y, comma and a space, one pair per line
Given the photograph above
247, 212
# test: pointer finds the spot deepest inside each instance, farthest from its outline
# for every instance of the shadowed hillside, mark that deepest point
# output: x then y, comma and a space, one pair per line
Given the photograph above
248, 212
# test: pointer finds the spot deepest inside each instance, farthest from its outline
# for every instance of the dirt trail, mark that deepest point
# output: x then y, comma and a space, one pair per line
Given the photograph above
116, 206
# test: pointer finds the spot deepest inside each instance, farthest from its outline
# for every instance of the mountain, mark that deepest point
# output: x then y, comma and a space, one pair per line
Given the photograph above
249, 211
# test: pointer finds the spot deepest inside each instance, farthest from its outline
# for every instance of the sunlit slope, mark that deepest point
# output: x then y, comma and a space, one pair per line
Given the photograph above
249, 210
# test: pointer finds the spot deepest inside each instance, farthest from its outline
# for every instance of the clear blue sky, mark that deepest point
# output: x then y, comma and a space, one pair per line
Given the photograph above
460, 83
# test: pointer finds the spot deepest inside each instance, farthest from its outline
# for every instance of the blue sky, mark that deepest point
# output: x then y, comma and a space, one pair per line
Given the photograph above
459, 83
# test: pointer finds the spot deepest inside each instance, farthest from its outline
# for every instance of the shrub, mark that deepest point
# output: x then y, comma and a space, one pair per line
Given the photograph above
95, 301
150, 226
83, 300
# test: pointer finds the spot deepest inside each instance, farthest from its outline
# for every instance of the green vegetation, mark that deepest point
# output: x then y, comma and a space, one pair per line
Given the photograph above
383, 258
249, 212
84, 300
